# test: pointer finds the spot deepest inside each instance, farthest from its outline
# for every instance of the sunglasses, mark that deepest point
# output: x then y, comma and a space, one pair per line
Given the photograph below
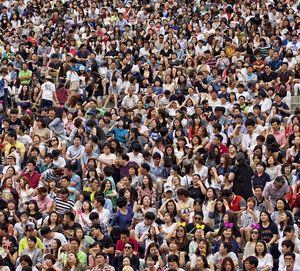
197, 218
129, 247
254, 232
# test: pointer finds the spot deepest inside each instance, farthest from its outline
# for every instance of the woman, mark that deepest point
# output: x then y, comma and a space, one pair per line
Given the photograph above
152, 236
250, 245
174, 250
260, 178
72, 263
182, 238
25, 192
280, 208
40, 129
169, 206
227, 235
147, 189
273, 169
227, 264
151, 263
106, 158
9, 252
54, 222
4, 220
79, 234
109, 192
268, 229
209, 200
203, 250
224, 251
34, 214
202, 263
216, 213
286, 219
8, 192
265, 259
248, 217
56, 252
33, 252
141, 209
119, 133
169, 226
57, 127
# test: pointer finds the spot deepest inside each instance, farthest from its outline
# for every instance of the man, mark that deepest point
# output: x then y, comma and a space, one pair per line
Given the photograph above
74, 244
125, 238
289, 235
290, 262
43, 200
101, 262
128, 252
233, 202
274, 190
13, 142
48, 163
62, 204
69, 224
20, 226
260, 204
125, 164
31, 174
288, 246
47, 96
130, 100
104, 214
23, 138
275, 131
249, 139
135, 155
29, 231
25, 75
49, 236
74, 178
144, 226
75, 151
105, 240
241, 176
251, 263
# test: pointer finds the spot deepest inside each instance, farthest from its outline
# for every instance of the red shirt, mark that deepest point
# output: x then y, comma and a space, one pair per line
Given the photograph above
33, 180
237, 203
120, 245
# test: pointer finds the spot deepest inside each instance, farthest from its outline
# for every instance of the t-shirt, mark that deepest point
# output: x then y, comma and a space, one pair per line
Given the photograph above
57, 235
266, 233
48, 90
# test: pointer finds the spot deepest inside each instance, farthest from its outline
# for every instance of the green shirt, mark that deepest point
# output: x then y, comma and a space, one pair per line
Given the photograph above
24, 244
25, 74
82, 257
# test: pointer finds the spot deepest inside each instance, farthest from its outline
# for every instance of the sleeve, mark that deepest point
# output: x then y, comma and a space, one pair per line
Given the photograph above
269, 260
243, 203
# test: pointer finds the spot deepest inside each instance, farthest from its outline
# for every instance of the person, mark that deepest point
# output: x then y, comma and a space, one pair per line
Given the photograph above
251, 263
274, 190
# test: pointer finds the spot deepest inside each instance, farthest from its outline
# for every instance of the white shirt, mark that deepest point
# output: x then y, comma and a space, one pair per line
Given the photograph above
136, 158
104, 215
266, 260
248, 140
296, 264
48, 88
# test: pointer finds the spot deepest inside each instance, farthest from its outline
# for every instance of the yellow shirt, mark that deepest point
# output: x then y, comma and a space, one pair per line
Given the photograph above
19, 146
24, 244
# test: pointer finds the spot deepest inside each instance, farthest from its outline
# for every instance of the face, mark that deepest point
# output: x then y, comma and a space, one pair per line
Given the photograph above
126, 262
260, 247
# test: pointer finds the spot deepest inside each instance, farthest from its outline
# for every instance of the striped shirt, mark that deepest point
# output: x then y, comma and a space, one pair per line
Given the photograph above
63, 206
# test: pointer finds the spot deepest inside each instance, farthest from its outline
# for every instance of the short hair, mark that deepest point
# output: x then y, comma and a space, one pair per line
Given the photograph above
292, 254
74, 239
125, 232
289, 244
150, 216
252, 260
100, 200
280, 180
70, 215
173, 258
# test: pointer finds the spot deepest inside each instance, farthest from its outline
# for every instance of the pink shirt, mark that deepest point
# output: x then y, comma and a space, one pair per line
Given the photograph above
43, 204
280, 137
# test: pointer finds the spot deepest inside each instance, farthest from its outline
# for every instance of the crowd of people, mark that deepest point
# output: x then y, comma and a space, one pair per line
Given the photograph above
149, 135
